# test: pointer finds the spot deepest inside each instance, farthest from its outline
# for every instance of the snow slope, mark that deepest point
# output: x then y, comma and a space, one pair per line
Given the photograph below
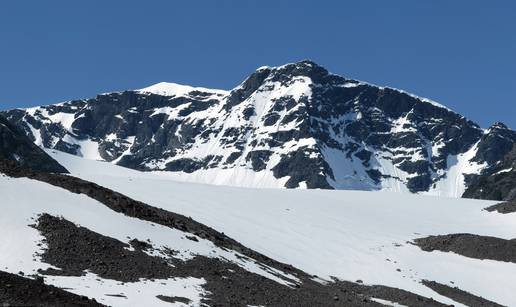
460, 166
20, 244
350, 235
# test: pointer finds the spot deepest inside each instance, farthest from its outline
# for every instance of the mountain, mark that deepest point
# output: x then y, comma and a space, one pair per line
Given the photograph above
16, 146
293, 126
119, 229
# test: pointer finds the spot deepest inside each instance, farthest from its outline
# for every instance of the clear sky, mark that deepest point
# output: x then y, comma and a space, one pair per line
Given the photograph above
460, 53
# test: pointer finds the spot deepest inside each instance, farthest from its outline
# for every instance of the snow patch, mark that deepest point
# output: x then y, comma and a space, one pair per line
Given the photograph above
174, 89
453, 184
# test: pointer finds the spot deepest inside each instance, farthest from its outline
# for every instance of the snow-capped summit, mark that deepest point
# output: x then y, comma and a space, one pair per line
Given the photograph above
174, 89
295, 126
499, 125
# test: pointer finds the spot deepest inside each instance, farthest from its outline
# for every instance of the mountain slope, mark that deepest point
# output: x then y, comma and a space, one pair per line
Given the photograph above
350, 235
95, 242
16, 146
294, 126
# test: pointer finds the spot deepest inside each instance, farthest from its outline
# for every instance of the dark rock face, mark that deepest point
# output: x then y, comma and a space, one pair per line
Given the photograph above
504, 208
76, 249
495, 144
498, 182
21, 291
174, 299
16, 146
296, 121
300, 166
473, 246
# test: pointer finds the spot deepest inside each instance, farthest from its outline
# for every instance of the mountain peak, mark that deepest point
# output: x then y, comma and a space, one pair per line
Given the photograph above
303, 68
307, 63
498, 126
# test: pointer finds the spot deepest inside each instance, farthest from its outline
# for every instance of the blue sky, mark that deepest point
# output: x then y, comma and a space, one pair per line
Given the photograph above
460, 53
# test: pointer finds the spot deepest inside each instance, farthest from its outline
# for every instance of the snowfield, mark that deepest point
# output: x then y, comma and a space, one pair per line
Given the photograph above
20, 244
349, 235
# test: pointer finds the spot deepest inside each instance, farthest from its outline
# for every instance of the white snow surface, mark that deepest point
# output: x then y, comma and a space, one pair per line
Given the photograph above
454, 185
174, 89
387, 303
19, 244
350, 235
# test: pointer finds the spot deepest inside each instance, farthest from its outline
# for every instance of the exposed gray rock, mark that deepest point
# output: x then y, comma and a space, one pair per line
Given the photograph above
16, 146
22, 291
504, 208
498, 182
473, 246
